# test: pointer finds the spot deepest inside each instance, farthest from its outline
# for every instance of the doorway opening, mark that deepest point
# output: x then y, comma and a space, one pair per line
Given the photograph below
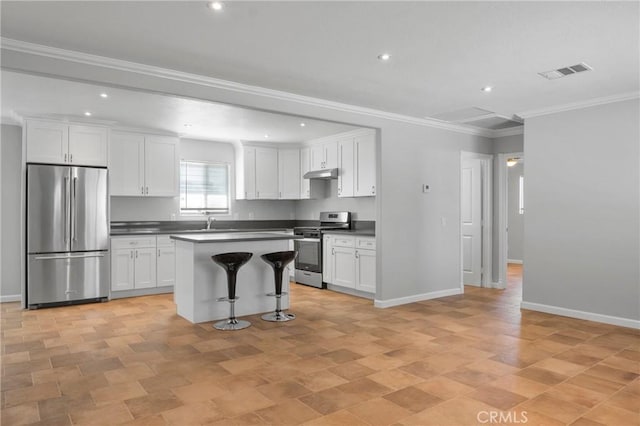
476, 218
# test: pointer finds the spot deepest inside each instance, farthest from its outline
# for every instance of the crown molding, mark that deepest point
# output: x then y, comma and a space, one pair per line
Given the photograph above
150, 70
579, 105
508, 132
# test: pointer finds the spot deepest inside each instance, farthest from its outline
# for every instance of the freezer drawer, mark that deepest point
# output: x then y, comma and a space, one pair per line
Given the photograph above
66, 278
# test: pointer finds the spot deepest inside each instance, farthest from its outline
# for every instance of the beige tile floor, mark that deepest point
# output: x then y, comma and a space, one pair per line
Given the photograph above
452, 361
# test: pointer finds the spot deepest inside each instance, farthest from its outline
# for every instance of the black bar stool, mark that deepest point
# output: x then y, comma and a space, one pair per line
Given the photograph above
278, 260
231, 262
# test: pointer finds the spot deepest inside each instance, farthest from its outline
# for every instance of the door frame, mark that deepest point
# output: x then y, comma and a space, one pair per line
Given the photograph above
503, 205
487, 216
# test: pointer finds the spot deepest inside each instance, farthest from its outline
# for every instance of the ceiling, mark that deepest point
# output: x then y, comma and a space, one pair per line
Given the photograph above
26, 95
442, 53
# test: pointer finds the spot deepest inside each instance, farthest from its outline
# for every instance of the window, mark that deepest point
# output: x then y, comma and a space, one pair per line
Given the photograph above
521, 196
204, 187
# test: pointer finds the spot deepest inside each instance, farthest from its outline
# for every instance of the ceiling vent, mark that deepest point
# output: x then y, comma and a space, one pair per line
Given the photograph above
563, 72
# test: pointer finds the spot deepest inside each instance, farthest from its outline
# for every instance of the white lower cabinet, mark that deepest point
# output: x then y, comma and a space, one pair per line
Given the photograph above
350, 262
142, 263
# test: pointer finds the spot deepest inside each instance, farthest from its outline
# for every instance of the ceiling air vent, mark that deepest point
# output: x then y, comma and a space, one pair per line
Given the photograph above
563, 72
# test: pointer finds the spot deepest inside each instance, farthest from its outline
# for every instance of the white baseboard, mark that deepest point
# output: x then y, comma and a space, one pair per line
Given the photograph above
416, 298
590, 316
517, 261
11, 298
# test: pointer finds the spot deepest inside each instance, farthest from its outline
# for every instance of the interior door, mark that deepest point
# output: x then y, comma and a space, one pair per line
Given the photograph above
471, 217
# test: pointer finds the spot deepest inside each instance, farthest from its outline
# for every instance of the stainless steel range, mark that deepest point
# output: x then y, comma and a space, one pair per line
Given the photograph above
309, 261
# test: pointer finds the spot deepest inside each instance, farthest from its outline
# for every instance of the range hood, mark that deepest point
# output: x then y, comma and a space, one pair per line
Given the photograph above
322, 174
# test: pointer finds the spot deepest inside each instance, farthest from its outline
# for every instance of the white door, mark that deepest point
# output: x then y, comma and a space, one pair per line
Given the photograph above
345, 168
471, 217
249, 173
366, 270
365, 161
126, 164
317, 156
88, 145
145, 269
267, 173
122, 264
330, 155
344, 271
161, 166
47, 142
289, 174
166, 266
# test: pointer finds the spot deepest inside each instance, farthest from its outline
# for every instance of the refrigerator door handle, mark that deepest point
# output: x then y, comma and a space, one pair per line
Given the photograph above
65, 206
66, 256
74, 210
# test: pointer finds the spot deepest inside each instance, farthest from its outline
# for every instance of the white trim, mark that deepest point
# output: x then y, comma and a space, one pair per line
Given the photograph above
415, 298
127, 66
582, 104
516, 261
11, 298
502, 177
589, 316
508, 132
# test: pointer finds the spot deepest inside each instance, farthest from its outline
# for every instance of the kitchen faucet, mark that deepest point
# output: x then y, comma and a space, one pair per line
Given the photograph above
209, 220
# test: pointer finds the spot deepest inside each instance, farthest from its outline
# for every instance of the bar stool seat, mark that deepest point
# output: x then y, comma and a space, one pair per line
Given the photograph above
231, 263
278, 261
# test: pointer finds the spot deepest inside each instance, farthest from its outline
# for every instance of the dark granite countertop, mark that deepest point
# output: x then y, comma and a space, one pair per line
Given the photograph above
357, 232
232, 237
137, 231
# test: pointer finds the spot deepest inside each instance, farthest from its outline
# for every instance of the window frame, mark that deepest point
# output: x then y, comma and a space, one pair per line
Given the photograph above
205, 211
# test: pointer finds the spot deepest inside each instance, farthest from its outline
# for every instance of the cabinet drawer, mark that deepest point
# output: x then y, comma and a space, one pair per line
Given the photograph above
132, 242
340, 241
165, 240
366, 243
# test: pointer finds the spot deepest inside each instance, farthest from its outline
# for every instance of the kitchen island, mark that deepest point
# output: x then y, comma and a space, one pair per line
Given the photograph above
200, 282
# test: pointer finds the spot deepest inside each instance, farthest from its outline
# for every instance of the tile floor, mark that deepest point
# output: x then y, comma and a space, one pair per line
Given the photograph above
461, 360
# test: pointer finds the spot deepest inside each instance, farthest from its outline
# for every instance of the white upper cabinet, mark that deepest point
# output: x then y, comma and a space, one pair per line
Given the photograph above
54, 142
365, 165
346, 167
266, 173
249, 173
324, 155
289, 174
305, 166
143, 165
161, 166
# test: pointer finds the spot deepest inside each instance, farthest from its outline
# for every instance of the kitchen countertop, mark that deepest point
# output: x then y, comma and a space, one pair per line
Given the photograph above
144, 231
232, 237
358, 232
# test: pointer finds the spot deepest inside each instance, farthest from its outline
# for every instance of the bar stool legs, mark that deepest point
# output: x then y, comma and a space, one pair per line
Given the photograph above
231, 263
278, 261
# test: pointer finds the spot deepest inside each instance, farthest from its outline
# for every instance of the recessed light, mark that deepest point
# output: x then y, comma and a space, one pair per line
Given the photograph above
384, 56
188, 125
104, 95
302, 124
487, 89
215, 5
87, 113
266, 136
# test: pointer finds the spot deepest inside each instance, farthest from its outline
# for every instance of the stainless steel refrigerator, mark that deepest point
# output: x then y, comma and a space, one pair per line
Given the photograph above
67, 235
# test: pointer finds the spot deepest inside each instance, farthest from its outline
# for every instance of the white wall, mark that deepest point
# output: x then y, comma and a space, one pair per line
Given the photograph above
582, 198
11, 158
363, 208
515, 220
150, 209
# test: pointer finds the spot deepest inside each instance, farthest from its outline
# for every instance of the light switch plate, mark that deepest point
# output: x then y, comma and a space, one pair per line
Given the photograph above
426, 188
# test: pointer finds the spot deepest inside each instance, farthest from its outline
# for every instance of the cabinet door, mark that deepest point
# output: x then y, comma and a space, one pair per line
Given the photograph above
47, 142
267, 173
345, 168
166, 266
122, 265
249, 173
366, 270
316, 153
145, 267
330, 155
289, 174
365, 160
305, 164
343, 273
161, 166
88, 145
126, 164
327, 259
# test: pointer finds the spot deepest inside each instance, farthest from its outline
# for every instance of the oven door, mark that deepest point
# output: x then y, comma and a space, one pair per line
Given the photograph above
309, 254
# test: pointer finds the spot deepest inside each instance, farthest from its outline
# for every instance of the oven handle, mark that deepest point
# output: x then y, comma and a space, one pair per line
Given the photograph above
308, 240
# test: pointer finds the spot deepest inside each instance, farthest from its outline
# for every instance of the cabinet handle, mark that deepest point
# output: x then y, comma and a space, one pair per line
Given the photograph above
65, 158
333, 251
339, 190
136, 254
257, 194
373, 189
158, 252
132, 254
142, 190
357, 254
280, 194
71, 158
146, 190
